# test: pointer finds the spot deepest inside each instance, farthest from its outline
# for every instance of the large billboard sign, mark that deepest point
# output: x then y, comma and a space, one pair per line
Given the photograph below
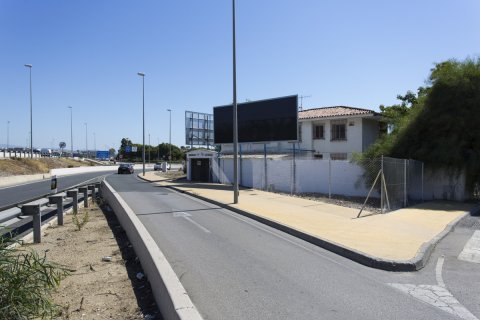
198, 129
258, 121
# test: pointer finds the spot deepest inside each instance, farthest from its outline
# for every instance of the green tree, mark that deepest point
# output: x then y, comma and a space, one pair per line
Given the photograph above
439, 125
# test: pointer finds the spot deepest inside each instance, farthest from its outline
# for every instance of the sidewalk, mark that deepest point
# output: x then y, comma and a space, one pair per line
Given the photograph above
399, 241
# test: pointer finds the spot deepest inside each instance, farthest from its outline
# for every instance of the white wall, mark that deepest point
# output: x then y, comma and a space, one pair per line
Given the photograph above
312, 176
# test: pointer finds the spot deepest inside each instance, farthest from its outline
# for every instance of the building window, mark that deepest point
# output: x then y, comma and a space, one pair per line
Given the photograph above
299, 132
318, 131
338, 156
339, 130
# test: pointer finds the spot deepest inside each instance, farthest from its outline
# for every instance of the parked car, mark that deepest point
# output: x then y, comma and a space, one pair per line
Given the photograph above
125, 168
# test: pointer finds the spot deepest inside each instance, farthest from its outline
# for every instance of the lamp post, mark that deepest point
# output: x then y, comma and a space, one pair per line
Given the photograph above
71, 129
86, 138
149, 148
235, 131
8, 134
158, 149
170, 136
94, 146
29, 66
141, 74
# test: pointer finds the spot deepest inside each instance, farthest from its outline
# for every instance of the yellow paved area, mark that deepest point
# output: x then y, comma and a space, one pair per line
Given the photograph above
396, 235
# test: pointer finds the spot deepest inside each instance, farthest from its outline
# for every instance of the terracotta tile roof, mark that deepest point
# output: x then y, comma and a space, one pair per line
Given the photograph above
338, 111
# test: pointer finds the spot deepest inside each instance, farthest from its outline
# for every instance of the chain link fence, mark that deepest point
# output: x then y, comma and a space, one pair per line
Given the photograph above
383, 183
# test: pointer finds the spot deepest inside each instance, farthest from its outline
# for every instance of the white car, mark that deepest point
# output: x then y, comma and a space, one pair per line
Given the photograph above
159, 166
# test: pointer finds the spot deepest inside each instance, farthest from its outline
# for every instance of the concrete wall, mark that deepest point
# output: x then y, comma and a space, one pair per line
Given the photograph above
17, 154
439, 184
311, 176
16, 180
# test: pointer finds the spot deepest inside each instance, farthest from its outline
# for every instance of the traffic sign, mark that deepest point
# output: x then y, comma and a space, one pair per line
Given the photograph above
128, 148
103, 155
134, 149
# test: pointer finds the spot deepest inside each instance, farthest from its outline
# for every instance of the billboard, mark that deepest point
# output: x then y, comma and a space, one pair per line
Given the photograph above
258, 121
198, 129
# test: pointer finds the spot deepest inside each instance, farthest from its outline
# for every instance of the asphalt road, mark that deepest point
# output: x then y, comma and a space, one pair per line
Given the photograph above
16, 194
236, 268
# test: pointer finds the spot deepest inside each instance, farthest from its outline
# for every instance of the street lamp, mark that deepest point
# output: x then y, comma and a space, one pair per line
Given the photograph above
170, 137
71, 129
8, 134
149, 148
86, 138
141, 74
235, 131
94, 145
29, 66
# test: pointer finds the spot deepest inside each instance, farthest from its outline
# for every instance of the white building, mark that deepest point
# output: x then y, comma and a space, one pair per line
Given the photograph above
326, 133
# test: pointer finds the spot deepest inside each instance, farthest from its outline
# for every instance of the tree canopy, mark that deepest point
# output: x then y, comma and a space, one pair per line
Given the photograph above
440, 123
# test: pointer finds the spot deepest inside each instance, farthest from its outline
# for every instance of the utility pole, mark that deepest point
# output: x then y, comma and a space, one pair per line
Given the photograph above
29, 66
235, 131
86, 138
8, 134
141, 74
149, 148
71, 129
170, 137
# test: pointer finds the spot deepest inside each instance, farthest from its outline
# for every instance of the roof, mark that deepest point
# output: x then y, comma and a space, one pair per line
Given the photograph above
338, 111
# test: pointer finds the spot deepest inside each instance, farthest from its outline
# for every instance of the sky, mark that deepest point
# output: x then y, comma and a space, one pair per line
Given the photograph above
86, 54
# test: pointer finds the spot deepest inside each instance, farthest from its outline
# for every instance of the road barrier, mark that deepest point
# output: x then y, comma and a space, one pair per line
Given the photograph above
169, 293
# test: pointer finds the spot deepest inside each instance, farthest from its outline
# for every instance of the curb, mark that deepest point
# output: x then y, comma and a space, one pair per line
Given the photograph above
168, 291
414, 264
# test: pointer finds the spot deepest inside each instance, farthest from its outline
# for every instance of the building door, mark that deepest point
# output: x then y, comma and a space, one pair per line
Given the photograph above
200, 169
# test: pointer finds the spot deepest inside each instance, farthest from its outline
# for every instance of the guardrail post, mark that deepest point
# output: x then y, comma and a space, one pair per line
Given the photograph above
74, 195
58, 200
34, 210
98, 185
84, 190
92, 188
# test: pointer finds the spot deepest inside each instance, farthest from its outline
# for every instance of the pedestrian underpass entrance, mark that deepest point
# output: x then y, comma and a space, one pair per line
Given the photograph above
199, 164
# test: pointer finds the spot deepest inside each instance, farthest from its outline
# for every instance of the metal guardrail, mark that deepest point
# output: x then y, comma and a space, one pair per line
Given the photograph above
18, 204
34, 207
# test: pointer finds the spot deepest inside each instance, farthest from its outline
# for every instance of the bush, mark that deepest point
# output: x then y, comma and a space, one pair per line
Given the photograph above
27, 280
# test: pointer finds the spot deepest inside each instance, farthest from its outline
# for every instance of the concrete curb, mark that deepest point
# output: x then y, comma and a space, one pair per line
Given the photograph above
414, 264
169, 293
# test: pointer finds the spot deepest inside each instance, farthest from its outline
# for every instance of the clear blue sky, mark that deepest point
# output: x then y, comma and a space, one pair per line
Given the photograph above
86, 54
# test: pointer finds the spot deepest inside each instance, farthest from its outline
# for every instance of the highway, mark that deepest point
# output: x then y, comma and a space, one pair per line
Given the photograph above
236, 268
16, 194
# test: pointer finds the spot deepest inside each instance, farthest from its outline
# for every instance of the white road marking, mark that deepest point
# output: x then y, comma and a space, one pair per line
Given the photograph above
187, 216
438, 271
471, 251
437, 296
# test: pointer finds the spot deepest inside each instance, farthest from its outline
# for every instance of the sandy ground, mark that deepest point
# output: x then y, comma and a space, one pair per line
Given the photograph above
98, 289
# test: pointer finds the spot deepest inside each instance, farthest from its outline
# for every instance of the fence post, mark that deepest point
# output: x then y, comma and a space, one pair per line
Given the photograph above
84, 190
381, 186
74, 195
265, 164
293, 189
58, 201
329, 178
241, 162
405, 183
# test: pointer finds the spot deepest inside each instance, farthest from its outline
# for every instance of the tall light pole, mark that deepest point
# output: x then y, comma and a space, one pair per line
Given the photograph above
235, 131
71, 129
94, 145
8, 134
170, 137
86, 138
158, 149
149, 148
29, 66
141, 74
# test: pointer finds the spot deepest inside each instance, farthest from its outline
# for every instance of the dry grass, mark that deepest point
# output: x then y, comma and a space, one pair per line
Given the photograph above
22, 166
